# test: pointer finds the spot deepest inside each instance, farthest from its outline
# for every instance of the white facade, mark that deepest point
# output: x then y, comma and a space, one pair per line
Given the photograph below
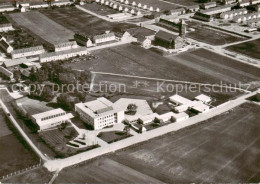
99, 113
203, 98
7, 9
65, 46
55, 56
6, 27
179, 100
104, 38
51, 118
6, 73
27, 52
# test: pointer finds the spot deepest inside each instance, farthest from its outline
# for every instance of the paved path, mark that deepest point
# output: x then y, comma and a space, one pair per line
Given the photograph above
54, 165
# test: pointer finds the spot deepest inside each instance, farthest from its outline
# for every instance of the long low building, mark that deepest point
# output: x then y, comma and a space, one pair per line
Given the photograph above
217, 10
64, 46
26, 52
243, 18
7, 8
203, 16
50, 118
55, 56
233, 13
6, 27
6, 73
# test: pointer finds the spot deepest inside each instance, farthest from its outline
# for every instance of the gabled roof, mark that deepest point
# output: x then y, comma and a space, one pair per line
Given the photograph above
103, 35
18, 51
4, 44
165, 35
15, 62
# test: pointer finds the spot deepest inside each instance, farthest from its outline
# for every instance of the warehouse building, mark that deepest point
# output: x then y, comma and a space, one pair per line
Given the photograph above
168, 40
233, 13
83, 40
208, 5
6, 27
64, 46
203, 16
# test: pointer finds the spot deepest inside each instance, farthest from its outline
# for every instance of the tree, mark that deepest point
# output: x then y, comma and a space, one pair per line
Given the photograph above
32, 75
157, 120
131, 108
17, 75
47, 93
127, 129
66, 101
41, 76
172, 119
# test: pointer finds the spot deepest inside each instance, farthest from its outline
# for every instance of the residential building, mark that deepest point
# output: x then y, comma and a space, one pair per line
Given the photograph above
246, 17
178, 11
83, 40
225, 2
64, 46
32, 51
244, 3
199, 107
5, 46
66, 54
145, 42
51, 118
216, 10
208, 5
192, 9
99, 113
168, 40
6, 8
200, 15
6, 73
233, 13
36, 5
106, 37
6, 27
254, 2
61, 3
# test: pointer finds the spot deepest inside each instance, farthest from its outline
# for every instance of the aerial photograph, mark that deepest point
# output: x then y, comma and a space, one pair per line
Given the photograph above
129, 91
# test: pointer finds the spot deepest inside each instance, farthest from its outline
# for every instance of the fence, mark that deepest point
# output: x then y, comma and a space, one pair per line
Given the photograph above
20, 171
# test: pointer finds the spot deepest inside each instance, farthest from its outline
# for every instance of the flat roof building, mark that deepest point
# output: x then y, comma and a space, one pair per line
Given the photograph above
99, 113
50, 119
203, 98
179, 100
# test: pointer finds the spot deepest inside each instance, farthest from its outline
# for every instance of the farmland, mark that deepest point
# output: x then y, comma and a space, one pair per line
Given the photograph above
42, 26
15, 154
196, 66
251, 48
212, 151
81, 22
209, 35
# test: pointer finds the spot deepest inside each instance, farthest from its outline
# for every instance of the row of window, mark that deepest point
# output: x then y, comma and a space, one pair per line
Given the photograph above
53, 116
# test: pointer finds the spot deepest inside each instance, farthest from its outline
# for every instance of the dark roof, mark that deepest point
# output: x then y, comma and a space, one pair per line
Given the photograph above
4, 44
165, 35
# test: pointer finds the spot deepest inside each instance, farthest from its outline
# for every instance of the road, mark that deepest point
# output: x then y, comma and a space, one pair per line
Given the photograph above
54, 165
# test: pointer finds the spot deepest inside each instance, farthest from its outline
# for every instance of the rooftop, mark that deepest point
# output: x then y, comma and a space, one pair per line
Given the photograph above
15, 62
179, 99
18, 51
165, 35
48, 113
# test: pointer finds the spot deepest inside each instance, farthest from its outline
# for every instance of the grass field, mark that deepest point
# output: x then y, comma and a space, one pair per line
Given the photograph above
221, 150
81, 22
211, 36
39, 175
196, 66
251, 48
15, 154
184, 2
113, 136
42, 26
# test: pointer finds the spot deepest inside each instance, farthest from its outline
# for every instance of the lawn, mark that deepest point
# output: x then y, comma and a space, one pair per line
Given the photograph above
42, 26
4, 130
223, 149
81, 22
205, 34
113, 136
251, 48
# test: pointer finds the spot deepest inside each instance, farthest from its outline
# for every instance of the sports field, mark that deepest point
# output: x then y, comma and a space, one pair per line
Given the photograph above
81, 22
211, 36
251, 48
223, 149
100, 9
42, 26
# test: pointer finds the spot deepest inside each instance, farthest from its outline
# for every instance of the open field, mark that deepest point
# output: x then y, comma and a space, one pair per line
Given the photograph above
211, 36
81, 22
251, 48
39, 175
99, 9
113, 136
195, 66
155, 4
42, 26
220, 150
15, 154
